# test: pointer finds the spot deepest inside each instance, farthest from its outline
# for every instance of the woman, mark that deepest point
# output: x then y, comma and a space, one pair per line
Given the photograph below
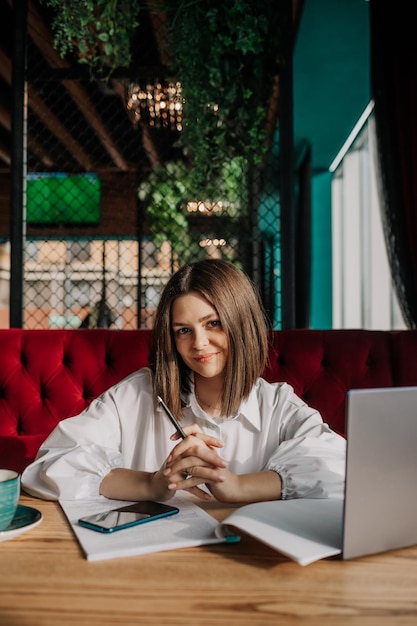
246, 440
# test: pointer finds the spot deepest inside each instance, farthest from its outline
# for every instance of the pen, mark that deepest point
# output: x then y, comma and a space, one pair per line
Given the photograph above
172, 418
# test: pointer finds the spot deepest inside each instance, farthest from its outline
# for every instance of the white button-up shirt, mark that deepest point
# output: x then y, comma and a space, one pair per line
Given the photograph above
273, 429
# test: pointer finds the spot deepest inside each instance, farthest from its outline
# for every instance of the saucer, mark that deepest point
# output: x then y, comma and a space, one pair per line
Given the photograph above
25, 518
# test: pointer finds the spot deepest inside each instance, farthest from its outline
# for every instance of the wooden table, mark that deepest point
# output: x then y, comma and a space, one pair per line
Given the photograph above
46, 581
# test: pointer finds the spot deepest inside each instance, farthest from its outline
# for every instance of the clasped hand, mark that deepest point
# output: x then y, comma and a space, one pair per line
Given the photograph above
194, 461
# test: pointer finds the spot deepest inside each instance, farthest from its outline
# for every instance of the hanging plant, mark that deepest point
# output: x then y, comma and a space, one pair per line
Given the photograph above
98, 32
225, 54
169, 192
164, 193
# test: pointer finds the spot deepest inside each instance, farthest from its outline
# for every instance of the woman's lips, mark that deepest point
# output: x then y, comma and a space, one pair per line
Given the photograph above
204, 358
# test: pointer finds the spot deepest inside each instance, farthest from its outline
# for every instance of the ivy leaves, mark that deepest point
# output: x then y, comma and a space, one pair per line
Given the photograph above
163, 193
98, 32
225, 54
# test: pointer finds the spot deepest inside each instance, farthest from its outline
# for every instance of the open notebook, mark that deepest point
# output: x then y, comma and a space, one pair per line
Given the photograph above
379, 512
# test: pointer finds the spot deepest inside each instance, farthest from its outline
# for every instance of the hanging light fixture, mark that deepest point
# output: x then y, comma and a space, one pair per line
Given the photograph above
156, 104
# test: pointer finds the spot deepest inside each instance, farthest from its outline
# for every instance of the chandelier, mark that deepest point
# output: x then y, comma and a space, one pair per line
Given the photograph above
158, 105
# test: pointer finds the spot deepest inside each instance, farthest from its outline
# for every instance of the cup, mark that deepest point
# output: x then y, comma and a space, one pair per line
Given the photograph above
9, 496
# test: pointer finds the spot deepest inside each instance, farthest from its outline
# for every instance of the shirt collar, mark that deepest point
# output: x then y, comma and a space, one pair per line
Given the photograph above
248, 409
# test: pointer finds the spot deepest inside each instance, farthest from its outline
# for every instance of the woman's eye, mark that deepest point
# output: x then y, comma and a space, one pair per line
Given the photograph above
214, 323
182, 331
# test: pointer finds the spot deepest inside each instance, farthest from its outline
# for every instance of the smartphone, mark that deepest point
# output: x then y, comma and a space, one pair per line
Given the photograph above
127, 516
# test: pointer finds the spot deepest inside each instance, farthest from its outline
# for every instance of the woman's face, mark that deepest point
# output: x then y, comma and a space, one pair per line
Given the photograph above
199, 336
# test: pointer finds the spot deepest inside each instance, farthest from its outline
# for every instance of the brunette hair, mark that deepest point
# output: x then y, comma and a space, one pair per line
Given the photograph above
235, 298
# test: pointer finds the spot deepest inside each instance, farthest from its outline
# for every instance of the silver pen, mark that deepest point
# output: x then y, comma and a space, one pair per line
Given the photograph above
173, 420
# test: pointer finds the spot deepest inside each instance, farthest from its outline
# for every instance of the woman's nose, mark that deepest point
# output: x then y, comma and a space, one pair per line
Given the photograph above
200, 339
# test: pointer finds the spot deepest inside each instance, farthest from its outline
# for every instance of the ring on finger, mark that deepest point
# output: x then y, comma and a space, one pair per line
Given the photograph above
187, 473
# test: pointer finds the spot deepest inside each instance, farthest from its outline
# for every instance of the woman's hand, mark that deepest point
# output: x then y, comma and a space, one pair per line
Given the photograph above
247, 488
195, 455
194, 461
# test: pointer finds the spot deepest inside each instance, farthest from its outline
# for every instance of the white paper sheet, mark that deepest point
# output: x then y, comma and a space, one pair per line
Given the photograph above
190, 527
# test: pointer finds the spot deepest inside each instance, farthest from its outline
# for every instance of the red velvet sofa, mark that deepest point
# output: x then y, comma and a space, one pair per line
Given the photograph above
48, 375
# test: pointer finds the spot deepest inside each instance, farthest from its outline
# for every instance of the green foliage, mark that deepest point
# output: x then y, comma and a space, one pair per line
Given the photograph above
225, 54
164, 193
99, 32
168, 190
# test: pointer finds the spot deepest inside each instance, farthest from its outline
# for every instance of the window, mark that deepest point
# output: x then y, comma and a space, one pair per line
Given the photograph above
363, 293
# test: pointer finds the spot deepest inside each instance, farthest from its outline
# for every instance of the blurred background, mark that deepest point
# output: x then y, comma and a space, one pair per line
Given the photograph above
214, 129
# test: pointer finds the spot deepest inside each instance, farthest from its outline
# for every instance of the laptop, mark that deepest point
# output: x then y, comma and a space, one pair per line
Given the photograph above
379, 511
380, 506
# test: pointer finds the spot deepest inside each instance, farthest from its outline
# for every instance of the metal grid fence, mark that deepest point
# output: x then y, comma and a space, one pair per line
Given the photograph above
106, 219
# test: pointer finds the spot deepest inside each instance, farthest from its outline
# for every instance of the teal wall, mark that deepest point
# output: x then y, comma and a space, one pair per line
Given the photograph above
321, 242
331, 91
321, 252
331, 73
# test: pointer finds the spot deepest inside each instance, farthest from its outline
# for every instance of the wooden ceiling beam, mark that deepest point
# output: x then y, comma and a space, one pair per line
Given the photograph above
5, 154
5, 117
42, 38
5, 67
39, 151
147, 141
51, 121
158, 19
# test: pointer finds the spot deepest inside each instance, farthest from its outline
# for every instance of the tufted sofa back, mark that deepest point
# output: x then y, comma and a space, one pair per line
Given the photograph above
48, 375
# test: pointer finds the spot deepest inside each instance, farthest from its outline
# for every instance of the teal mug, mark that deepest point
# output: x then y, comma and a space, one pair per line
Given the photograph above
9, 496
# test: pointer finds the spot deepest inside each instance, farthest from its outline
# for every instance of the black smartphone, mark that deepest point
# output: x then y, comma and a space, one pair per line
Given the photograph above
127, 516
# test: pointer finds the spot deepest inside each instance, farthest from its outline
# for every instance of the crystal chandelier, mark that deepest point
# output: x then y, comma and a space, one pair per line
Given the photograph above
157, 105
